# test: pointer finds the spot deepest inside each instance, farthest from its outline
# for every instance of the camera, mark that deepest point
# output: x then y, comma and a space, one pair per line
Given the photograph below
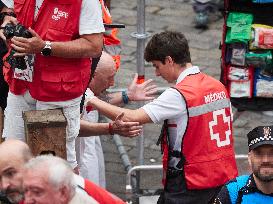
18, 30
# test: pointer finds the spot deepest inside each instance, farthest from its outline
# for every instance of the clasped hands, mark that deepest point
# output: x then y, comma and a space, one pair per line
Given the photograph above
126, 129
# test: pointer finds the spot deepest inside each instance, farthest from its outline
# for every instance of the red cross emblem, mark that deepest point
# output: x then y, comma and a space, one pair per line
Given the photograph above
219, 120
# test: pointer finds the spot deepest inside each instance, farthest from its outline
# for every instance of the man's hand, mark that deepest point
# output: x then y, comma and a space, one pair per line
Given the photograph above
25, 46
126, 129
141, 92
7, 19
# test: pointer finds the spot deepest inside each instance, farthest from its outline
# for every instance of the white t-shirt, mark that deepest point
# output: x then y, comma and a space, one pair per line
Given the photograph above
90, 18
172, 106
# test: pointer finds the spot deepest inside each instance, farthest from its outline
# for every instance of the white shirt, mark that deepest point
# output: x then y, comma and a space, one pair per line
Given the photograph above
172, 106
81, 196
90, 17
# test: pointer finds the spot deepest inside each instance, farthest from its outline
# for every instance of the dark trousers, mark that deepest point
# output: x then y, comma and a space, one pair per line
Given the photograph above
175, 192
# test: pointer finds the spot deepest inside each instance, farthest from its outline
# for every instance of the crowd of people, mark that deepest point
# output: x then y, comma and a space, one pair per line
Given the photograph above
68, 60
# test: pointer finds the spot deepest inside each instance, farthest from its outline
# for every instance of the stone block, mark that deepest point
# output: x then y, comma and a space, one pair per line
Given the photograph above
46, 131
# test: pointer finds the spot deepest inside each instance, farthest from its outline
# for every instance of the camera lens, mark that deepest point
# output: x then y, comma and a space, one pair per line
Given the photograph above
9, 31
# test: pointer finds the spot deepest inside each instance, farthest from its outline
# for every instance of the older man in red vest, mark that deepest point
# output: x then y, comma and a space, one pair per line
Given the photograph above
65, 35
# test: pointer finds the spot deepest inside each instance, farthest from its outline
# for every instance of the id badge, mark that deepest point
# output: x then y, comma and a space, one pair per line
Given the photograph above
26, 74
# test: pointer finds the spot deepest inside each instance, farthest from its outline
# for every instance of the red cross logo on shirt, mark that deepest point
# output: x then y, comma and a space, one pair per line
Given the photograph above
220, 119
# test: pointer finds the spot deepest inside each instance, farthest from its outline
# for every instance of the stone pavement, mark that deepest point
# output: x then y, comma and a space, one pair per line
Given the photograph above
166, 15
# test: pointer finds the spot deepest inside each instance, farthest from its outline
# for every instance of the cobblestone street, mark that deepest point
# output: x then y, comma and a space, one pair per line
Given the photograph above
204, 44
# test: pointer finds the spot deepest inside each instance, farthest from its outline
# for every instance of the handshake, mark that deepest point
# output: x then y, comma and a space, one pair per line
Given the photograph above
117, 126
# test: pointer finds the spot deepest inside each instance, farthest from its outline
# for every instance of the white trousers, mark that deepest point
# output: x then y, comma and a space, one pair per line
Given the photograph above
14, 124
89, 152
91, 159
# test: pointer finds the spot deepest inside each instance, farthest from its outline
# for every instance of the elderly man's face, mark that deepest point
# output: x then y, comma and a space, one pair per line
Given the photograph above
11, 177
39, 191
261, 161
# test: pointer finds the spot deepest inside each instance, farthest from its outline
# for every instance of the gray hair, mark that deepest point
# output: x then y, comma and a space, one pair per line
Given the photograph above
59, 171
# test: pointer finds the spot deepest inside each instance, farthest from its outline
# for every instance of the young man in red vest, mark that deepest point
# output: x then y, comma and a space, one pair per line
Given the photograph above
196, 140
65, 35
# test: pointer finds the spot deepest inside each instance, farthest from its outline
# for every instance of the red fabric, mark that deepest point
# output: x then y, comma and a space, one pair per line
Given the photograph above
89, 108
100, 195
110, 39
55, 79
207, 164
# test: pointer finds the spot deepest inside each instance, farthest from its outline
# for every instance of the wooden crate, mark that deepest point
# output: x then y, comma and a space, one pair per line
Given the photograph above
46, 131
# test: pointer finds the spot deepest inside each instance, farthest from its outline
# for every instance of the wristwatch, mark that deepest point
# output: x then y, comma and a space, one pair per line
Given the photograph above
46, 51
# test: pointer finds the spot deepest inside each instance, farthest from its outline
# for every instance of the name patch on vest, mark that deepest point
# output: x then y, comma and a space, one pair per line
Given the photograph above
215, 97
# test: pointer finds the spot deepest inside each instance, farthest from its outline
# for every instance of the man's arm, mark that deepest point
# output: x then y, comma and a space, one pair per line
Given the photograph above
126, 129
135, 92
169, 105
89, 45
112, 111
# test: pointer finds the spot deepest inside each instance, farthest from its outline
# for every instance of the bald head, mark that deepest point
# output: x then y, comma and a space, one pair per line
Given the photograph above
104, 74
15, 149
106, 63
14, 154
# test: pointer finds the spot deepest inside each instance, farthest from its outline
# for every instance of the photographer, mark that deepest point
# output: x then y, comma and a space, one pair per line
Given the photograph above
65, 36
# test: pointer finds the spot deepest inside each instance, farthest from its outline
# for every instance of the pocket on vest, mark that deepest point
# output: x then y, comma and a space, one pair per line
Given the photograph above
67, 83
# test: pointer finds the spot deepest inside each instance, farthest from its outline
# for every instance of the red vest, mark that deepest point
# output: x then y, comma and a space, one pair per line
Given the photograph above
55, 78
100, 195
111, 43
207, 144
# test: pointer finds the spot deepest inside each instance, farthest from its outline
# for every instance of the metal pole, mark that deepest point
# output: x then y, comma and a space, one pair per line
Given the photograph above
140, 35
140, 39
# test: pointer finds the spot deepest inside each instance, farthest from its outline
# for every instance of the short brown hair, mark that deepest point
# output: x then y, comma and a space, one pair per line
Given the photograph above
168, 43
